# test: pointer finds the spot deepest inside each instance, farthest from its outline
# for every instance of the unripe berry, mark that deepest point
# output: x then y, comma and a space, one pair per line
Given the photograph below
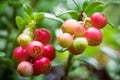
43, 35
79, 30
49, 52
80, 44
35, 49
41, 66
65, 40
98, 20
25, 69
24, 39
19, 54
68, 26
93, 36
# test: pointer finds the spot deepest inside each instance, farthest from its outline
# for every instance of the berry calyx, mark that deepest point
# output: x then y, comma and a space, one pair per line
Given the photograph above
41, 66
98, 20
35, 49
25, 69
93, 36
49, 52
43, 35
65, 40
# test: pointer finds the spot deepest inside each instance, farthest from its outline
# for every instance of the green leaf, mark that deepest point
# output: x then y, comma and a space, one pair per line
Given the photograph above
91, 6
2, 54
27, 17
53, 17
72, 13
110, 52
38, 17
20, 22
111, 24
85, 3
55, 63
90, 61
27, 9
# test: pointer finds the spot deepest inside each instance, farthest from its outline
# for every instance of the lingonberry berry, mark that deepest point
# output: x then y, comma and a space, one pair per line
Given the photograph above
19, 54
49, 52
65, 40
35, 49
41, 65
98, 20
25, 69
24, 39
68, 26
80, 43
43, 35
93, 36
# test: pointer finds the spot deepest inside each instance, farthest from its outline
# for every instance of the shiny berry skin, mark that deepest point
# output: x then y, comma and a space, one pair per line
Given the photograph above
35, 49
65, 40
19, 54
49, 52
41, 66
93, 36
79, 30
80, 43
43, 35
68, 25
25, 69
24, 39
98, 20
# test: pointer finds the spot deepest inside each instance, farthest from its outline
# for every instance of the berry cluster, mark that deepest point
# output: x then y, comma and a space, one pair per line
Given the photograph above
34, 53
77, 36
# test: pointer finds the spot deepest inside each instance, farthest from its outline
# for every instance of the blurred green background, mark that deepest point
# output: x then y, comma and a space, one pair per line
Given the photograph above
107, 54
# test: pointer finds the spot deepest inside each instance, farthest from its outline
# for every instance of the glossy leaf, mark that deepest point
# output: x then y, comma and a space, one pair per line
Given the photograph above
38, 17
91, 6
53, 17
90, 61
110, 52
2, 54
27, 9
27, 17
20, 22
85, 3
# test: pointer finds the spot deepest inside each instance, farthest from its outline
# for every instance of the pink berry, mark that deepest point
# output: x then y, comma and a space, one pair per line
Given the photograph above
98, 20
19, 54
25, 69
49, 52
65, 40
68, 25
41, 66
35, 49
43, 35
93, 36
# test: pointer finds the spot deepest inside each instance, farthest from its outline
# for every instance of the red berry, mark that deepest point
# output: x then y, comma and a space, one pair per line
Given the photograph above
41, 66
79, 30
65, 40
49, 52
98, 20
68, 26
43, 35
35, 49
93, 36
19, 54
25, 69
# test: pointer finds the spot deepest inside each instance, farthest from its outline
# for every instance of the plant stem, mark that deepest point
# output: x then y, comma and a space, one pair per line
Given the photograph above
67, 68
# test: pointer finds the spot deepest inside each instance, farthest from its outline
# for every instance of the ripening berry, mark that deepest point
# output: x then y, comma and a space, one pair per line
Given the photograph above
19, 54
25, 69
24, 39
98, 20
80, 43
41, 66
93, 36
35, 49
43, 35
79, 30
65, 40
68, 25
49, 52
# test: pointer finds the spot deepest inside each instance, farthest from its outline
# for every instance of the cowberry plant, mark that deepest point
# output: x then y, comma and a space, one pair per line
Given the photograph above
58, 43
